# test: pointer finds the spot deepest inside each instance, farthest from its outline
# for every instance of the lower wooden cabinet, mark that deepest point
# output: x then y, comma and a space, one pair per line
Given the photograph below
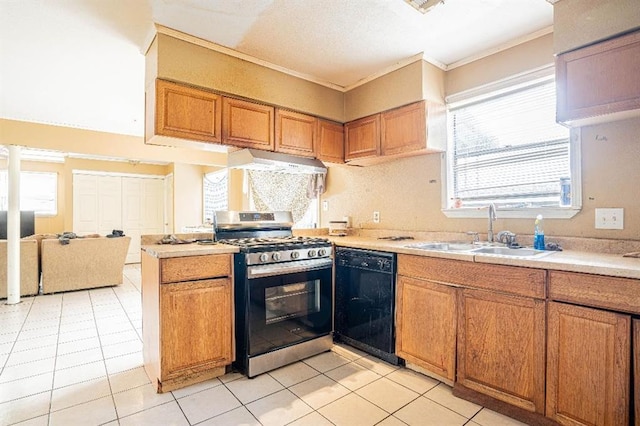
426, 325
195, 327
501, 347
636, 370
588, 369
187, 314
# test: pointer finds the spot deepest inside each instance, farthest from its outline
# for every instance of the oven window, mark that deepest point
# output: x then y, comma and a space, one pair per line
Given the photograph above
291, 300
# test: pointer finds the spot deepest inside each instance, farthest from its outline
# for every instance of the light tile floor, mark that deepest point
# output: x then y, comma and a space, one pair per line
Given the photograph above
76, 359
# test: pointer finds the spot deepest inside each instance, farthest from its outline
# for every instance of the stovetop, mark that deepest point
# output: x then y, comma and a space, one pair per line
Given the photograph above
262, 244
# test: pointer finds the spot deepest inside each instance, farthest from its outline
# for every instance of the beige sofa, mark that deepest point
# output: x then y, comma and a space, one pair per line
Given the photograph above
83, 263
29, 276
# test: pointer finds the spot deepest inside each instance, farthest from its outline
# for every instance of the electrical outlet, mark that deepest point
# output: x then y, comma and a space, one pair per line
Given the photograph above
609, 218
325, 205
376, 217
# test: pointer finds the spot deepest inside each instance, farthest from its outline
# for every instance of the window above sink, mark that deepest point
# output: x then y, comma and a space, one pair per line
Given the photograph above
506, 148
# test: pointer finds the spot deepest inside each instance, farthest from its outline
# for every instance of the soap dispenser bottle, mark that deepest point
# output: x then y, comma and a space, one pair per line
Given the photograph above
538, 234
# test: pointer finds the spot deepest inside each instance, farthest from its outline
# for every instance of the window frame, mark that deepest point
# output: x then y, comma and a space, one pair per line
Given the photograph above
204, 194
23, 173
490, 90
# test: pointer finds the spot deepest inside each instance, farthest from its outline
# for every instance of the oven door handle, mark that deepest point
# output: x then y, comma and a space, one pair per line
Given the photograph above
260, 271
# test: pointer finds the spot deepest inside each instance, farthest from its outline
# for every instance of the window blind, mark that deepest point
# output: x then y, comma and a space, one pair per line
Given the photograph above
509, 150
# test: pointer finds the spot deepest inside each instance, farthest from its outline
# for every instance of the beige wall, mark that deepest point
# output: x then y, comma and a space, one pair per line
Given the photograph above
187, 195
81, 141
524, 57
400, 87
581, 22
408, 192
186, 62
63, 220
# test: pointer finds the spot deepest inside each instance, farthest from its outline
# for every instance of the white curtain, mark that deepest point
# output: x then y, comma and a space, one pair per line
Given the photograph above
273, 191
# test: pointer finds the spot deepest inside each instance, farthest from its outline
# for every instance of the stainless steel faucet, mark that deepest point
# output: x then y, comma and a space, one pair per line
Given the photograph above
492, 217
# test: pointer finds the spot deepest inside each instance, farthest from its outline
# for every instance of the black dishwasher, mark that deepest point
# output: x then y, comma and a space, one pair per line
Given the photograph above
365, 301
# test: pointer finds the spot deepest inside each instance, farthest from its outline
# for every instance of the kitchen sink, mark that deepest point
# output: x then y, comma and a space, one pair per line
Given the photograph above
443, 246
460, 247
511, 252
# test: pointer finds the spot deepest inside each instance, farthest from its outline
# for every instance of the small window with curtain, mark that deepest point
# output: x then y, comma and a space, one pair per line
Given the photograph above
215, 191
506, 148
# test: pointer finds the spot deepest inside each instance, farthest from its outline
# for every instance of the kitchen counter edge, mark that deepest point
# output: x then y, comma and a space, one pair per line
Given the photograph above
183, 250
571, 261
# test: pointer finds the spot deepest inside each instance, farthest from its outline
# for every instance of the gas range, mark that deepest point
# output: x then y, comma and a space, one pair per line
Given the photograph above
267, 238
283, 249
283, 292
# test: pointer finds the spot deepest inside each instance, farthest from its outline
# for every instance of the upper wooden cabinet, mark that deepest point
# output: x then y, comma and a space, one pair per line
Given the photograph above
330, 138
599, 82
188, 113
404, 129
588, 371
413, 129
362, 138
295, 133
248, 124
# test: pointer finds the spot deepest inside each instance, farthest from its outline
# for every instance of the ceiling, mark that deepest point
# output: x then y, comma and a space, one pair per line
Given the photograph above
80, 63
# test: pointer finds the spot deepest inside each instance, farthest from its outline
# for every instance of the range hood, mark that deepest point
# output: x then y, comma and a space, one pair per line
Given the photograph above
256, 159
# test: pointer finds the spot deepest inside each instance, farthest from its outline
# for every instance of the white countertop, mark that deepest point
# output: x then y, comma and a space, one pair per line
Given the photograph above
569, 260
162, 251
573, 261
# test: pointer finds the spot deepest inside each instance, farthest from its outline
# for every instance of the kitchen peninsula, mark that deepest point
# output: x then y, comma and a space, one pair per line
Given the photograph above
187, 308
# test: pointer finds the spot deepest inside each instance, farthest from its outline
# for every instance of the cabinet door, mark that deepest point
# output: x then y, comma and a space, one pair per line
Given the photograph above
362, 138
426, 325
636, 369
501, 341
404, 129
247, 124
599, 79
187, 112
330, 145
295, 133
195, 326
588, 366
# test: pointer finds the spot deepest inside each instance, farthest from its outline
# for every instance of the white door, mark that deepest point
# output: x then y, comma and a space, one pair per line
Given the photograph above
85, 204
132, 217
142, 211
109, 204
97, 204
168, 204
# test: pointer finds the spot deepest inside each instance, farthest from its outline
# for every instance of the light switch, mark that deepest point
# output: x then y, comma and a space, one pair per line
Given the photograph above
325, 205
609, 218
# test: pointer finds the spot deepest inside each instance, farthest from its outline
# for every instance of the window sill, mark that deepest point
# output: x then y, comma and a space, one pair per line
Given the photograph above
547, 213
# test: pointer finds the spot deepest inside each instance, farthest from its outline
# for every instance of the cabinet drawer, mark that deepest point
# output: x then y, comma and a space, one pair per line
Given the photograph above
507, 279
617, 294
176, 269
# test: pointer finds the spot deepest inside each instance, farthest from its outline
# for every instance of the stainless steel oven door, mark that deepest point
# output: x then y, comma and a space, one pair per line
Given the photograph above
289, 304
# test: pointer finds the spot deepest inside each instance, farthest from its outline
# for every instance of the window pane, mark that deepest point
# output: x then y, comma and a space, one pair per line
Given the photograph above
38, 192
215, 193
508, 149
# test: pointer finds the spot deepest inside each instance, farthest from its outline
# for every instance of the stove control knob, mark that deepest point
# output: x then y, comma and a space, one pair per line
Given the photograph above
322, 252
312, 253
264, 257
295, 255
276, 256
